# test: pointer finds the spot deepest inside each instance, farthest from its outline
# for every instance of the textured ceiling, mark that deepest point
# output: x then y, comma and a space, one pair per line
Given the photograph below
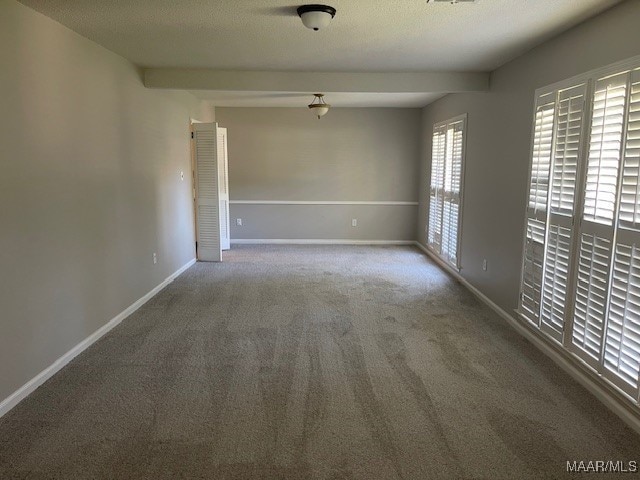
366, 35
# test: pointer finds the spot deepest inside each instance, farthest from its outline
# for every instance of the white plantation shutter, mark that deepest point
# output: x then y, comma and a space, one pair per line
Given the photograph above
630, 192
556, 277
446, 189
581, 279
591, 295
622, 344
208, 200
452, 184
567, 144
436, 193
607, 123
569, 122
622, 347
598, 221
449, 249
532, 268
541, 162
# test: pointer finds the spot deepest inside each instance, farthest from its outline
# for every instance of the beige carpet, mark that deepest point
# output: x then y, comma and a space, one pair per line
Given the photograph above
324, 362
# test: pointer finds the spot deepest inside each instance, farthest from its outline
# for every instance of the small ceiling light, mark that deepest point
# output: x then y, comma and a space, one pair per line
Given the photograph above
318, 105
316, 17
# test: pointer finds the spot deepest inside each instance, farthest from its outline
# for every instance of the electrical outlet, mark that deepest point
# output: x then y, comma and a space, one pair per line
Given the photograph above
239, 222
354, 222
155, 258
182, 176
484, 265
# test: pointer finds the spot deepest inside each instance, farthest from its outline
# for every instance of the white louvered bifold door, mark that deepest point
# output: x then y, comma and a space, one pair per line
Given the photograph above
223, 175
436, 191
536, 221
567, 145
208, 199
599, 217
621, 359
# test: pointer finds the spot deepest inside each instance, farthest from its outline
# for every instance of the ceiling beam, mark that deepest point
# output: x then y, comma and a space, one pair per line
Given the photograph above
259, 81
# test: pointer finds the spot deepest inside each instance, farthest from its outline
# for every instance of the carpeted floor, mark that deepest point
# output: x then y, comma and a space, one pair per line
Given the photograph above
311, 362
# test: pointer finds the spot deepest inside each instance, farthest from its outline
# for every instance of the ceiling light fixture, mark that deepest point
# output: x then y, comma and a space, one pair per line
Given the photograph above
318, 105
316, 17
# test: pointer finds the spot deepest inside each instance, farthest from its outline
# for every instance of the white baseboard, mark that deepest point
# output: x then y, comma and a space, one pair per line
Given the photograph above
20, 394
314, 241
607, 395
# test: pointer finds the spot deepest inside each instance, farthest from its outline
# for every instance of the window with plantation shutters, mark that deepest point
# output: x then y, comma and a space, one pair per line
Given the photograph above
445, 193
581, 259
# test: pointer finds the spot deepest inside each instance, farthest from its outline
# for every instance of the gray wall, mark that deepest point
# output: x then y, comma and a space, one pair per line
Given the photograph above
90, 187
352, 154
499, 139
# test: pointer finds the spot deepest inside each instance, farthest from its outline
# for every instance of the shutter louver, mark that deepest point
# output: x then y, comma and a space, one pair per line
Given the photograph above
567, 149
450, 232
591, 294
435, 222
622, 349
542, 144
607, 124
556, 278
436, 196
630, 194
532, 269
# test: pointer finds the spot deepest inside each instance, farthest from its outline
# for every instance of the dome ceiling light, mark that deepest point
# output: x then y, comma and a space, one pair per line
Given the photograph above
318, 105
316, 17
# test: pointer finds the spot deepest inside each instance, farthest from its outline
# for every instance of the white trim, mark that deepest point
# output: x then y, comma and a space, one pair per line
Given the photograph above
20, 394
316, 202
316, 241
573, 367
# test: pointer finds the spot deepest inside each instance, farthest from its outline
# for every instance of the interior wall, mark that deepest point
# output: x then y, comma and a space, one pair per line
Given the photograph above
498, 144
90, 188
352, 155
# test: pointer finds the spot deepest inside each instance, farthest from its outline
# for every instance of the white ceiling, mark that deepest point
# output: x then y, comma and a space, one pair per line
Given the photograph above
365, 35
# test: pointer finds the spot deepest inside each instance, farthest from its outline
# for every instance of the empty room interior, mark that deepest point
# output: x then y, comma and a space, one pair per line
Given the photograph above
383, 239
